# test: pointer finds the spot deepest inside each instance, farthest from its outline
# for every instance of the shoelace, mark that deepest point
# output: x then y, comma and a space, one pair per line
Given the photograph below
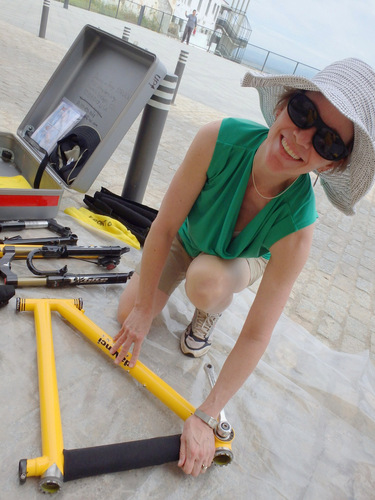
204, 323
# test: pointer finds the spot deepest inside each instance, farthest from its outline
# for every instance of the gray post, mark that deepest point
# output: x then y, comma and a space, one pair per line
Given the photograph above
180, 66
141, 14
43, 21
126, 33
66, 4
147, 141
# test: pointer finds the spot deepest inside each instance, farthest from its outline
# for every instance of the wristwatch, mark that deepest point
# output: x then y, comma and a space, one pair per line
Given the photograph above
210, 421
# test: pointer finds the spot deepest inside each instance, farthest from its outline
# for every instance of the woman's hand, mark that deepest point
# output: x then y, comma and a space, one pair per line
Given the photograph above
197, 447
133, 331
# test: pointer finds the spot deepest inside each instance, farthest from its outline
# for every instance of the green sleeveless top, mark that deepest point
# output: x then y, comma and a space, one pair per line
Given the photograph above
210, 224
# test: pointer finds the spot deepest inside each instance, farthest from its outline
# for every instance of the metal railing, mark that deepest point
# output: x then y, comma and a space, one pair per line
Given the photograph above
166, 23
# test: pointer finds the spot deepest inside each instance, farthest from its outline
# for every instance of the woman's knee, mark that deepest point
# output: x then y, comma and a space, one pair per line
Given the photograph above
207, 283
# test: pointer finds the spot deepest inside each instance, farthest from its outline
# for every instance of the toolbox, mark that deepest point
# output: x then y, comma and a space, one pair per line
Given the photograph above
110, 80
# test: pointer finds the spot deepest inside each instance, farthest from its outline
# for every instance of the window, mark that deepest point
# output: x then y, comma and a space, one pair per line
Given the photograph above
208, 8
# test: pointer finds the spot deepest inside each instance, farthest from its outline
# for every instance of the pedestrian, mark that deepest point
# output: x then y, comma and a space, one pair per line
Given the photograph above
241, 207
190, 26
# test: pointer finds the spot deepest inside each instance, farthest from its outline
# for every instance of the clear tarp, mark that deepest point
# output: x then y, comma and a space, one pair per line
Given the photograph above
304, 421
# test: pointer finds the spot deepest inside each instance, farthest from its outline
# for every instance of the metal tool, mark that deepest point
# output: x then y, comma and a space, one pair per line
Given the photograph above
224, 429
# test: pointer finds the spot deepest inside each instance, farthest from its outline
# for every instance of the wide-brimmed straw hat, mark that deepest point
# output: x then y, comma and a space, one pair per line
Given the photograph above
350, 86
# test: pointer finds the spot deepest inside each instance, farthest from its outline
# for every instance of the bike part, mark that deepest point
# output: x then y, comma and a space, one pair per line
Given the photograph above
60, 278
6, 293
51, 428
66, 237
119, 457
108, 257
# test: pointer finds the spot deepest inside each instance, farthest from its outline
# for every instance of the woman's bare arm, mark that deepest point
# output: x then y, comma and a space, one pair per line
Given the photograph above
180, 197
288, 258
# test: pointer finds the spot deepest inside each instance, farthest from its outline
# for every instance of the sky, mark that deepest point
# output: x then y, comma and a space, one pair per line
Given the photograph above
314, 32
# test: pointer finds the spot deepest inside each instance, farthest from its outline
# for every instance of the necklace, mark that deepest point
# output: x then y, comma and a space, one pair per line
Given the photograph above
269, 197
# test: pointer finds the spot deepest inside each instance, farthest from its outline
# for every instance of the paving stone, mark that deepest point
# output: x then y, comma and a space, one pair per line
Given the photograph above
352, 345
358, 330
330, 329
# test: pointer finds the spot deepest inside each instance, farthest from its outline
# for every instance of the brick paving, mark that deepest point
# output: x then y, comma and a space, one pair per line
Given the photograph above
334, 296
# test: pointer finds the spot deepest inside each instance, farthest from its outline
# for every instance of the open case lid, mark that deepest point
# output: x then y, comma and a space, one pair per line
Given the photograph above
107, 78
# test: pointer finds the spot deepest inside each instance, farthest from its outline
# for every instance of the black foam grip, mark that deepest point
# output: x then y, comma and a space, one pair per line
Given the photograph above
6, 293
97, 460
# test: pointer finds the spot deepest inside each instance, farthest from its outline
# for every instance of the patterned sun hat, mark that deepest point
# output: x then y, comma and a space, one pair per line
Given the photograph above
350, 86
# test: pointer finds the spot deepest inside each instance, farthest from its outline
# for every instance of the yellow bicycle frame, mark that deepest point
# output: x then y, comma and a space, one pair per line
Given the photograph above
50, 466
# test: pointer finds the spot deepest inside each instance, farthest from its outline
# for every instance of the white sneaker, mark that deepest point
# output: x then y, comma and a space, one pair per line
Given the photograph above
195, 341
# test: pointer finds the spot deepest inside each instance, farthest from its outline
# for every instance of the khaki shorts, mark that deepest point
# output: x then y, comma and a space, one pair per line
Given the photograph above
179, 260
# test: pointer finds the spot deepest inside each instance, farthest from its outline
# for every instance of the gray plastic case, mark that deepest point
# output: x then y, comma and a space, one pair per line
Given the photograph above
107, 77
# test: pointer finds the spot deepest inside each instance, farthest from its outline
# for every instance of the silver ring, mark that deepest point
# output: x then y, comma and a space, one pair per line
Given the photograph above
204, 467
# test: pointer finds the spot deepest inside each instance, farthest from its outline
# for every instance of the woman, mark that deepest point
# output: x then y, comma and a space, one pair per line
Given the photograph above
243, 207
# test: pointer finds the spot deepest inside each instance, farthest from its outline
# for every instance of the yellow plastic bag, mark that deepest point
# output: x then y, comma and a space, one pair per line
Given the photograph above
104, 223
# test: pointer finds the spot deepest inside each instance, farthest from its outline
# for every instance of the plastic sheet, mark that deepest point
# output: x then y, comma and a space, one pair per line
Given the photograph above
304, 421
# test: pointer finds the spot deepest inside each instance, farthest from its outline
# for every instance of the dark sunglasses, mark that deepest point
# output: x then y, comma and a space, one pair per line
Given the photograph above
327, 143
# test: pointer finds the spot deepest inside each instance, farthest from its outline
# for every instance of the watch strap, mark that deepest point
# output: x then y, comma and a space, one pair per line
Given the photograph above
210, 421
